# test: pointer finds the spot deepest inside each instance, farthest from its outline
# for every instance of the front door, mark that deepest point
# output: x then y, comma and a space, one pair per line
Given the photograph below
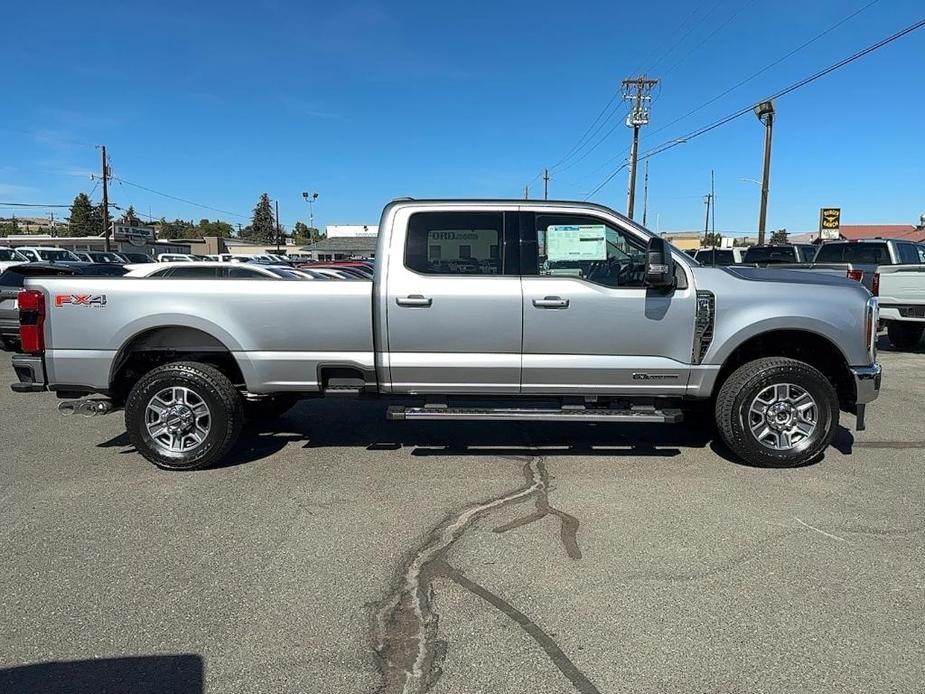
454, 302
590, 324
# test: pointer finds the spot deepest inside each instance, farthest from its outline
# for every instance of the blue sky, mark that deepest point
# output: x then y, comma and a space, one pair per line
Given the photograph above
217, 102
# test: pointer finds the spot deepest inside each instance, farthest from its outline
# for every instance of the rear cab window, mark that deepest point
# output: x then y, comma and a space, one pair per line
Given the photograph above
770, 254
861, 253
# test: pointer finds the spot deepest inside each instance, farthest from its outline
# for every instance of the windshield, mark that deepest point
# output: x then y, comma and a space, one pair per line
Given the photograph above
872, 253
10, 254
106, 258
56, 254
769, 255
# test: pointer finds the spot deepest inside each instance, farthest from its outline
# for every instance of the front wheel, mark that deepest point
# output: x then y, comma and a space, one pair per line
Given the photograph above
183, 416
777, 412
904, 335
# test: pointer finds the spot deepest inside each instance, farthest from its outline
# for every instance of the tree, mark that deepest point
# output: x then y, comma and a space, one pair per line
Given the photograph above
177, 229
216, 228
130, 218
780, 236
262, 228
8, 228
83, 219
711, 239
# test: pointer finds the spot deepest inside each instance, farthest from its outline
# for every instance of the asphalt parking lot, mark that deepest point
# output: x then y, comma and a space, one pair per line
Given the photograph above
339, 552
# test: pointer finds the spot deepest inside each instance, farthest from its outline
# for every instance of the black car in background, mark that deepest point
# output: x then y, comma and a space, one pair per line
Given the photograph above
13, 278
772, 254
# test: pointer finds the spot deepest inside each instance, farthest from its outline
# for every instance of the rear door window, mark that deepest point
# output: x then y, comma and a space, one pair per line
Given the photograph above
716, 257
454, 243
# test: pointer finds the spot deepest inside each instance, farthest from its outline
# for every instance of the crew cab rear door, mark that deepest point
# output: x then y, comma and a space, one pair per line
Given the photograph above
454, 301
591, 326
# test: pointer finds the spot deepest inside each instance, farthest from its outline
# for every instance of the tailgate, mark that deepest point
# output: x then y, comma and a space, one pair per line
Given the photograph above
902, 285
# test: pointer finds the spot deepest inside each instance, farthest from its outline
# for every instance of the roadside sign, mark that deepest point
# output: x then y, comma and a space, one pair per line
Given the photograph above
135, 235
829, 222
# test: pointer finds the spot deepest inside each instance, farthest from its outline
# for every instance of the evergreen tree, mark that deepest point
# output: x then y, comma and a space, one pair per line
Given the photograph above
83, 220
780, 237
262, 228
130, 217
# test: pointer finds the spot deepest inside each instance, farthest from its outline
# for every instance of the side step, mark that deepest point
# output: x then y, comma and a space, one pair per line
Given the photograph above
344, 387
634, 414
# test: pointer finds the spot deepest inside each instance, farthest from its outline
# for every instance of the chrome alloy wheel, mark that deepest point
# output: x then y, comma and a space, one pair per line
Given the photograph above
782, 416
177, 419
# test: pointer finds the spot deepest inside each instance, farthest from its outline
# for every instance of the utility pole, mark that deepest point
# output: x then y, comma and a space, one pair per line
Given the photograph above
707, 200
765, 113
645, 195
526, 192
278, 231
638, 90
105, 199
713, 202
545, 184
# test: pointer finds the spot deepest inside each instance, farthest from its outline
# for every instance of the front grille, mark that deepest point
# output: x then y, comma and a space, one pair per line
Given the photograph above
703, 324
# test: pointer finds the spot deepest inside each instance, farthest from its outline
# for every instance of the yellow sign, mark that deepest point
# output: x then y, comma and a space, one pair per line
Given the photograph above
830, 218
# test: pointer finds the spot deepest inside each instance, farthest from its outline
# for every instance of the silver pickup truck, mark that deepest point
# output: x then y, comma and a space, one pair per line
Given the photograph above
494, 310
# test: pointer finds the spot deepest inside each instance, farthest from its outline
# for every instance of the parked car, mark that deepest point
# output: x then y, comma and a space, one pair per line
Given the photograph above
106, 257
214, 270
10, 257
13, 278
772, 254
635, 332
36, 254
136, 258
176, 258
719, 256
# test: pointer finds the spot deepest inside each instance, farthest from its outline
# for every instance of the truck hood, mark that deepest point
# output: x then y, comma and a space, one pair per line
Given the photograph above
767, 274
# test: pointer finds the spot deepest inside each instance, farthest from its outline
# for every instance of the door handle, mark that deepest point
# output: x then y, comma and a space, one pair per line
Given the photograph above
414, 300
551, 302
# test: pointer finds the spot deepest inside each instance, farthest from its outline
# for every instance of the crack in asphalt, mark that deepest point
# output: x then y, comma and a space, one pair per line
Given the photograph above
409, 654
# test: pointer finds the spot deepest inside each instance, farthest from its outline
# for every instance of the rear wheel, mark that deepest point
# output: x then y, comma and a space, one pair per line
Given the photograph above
904, 335
183, 416
777, 412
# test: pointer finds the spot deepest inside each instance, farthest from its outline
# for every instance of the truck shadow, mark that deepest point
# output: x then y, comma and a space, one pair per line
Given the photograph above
327, 423
363, 424
150, 674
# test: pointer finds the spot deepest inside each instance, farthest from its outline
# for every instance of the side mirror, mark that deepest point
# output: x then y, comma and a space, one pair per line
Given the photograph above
659, 264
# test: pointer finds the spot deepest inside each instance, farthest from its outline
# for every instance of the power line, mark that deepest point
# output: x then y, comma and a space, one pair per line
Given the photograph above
28, 204
671, 144
767, 67
746, 80
178, 199
602, 140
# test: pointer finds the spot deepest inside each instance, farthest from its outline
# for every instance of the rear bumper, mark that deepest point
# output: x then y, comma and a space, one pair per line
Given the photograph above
866, 383
9, 327
30, 370
897, 312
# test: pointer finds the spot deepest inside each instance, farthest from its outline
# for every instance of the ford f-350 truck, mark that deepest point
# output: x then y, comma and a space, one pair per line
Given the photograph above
494, 310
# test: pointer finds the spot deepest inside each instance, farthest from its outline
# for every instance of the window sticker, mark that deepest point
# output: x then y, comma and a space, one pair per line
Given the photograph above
576, 242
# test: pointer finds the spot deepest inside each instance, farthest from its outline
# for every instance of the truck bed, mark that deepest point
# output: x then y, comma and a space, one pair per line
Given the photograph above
279, 332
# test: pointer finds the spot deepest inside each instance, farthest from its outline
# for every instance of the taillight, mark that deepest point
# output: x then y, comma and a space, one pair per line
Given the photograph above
875, 284
32, 321
856, 275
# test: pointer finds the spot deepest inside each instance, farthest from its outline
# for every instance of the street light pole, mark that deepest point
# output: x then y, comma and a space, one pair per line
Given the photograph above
310, 199
765, 113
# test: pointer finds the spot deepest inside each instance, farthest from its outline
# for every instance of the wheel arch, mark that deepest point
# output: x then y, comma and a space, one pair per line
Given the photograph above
153, 346
815, 349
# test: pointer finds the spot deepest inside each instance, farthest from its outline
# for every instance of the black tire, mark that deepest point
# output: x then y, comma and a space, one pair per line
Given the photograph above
745, 384
208, 385
269, 408
904, 335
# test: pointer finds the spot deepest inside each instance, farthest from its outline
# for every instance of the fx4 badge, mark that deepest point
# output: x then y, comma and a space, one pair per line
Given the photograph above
654, 377
97, 300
